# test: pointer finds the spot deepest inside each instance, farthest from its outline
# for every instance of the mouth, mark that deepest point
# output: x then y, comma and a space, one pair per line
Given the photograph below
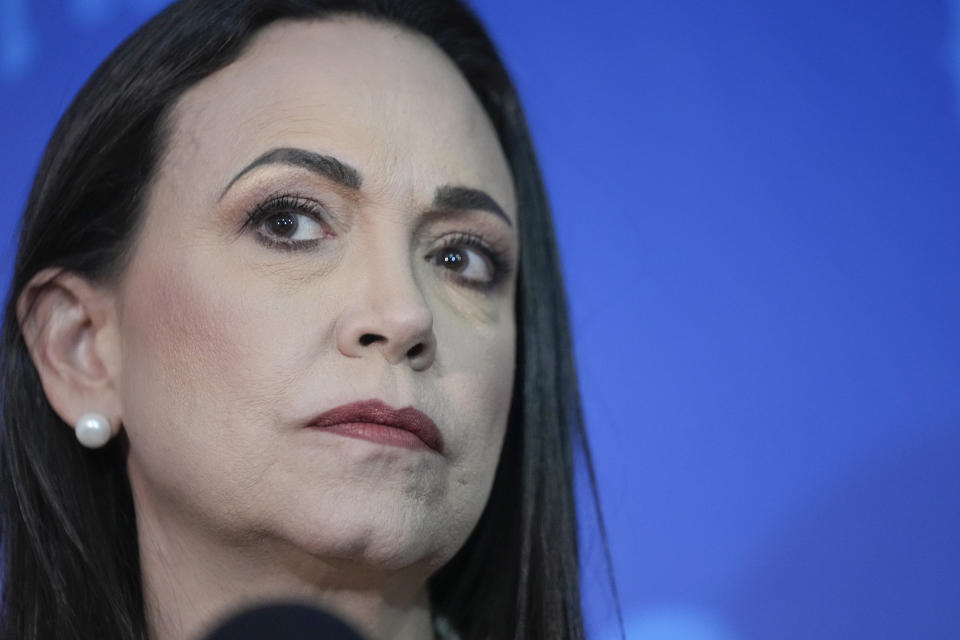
374, 420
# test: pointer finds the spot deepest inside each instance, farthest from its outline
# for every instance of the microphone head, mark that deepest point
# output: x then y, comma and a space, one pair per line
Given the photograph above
283, 622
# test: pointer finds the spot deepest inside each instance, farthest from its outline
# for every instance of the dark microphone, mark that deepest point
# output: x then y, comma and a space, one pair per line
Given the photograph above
283, 622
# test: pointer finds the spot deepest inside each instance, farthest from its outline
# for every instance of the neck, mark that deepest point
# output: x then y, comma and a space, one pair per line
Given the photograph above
190, 583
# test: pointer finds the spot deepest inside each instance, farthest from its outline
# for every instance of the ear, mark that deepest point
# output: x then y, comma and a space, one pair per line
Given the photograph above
70, 328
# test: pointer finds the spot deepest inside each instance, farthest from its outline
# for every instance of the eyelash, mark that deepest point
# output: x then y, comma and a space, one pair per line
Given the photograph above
285, 203
499, 262
297, 203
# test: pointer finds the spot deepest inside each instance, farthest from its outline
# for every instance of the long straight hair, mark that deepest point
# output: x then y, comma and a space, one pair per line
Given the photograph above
67, 522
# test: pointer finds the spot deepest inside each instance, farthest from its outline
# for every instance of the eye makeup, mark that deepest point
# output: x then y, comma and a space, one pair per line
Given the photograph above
496, 259
456, 252
288, 206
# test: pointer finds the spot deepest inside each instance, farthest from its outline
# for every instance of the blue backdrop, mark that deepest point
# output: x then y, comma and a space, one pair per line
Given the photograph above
758, 207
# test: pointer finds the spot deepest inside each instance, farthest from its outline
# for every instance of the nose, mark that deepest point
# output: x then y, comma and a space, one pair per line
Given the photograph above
387, 313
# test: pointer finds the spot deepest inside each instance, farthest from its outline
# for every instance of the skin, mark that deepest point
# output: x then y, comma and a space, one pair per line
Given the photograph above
214, 350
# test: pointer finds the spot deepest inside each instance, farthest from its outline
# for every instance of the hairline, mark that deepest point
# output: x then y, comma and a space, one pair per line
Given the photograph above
174, 114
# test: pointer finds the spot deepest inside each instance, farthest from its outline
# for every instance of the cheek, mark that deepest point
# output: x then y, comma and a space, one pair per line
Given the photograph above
195, 328
189, 345
177, 332
180, 328
478, 373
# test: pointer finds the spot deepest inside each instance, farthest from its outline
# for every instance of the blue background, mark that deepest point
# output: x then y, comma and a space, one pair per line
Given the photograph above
757, 205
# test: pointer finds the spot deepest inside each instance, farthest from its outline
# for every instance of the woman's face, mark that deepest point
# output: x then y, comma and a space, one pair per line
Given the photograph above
333, 221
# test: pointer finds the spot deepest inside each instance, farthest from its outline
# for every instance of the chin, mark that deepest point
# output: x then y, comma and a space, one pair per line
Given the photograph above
379, 539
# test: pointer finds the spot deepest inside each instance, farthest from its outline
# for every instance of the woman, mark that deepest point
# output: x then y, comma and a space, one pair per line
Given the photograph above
288, 276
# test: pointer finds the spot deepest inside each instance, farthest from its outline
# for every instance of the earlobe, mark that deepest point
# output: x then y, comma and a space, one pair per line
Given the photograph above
69, 326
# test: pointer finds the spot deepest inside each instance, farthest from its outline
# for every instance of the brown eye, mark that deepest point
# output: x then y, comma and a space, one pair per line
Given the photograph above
454, 260
283, 225
468, 264
288, 225
288, 222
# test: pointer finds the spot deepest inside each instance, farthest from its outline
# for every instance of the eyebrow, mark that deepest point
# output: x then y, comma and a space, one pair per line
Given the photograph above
448, 197
322, 165
451, 197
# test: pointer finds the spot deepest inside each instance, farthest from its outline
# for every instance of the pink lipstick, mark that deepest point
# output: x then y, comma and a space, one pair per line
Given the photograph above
373, 420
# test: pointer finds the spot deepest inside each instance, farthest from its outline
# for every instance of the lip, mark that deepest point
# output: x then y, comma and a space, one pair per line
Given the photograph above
358, 419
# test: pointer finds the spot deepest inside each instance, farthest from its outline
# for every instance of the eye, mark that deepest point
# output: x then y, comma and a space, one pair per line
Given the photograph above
289, 225
466, 262
469, 260
288, 222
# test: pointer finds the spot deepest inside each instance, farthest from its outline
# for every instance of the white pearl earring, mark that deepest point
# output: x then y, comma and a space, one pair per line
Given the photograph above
93, 430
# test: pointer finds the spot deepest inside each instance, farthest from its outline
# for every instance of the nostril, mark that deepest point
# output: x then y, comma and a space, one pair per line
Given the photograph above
415, 350
368, 338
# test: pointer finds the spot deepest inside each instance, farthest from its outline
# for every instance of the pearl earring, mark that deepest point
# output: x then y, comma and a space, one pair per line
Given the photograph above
93, 430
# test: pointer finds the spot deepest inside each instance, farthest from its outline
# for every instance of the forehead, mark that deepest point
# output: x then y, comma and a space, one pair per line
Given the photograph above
379, 98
